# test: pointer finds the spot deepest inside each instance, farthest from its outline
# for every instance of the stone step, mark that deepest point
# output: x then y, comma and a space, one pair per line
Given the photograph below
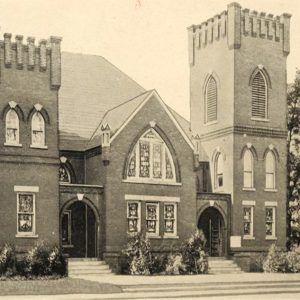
89, 272
90, 267
86, 263
85, 259
87, 267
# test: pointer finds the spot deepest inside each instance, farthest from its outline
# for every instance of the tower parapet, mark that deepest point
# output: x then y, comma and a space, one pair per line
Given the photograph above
236, 22
40, 58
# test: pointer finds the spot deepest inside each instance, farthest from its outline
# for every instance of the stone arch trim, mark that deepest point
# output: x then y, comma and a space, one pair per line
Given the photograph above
207, 77
13, 105
217, 207
261, 68
166, 140
250, 147
39, 108
274, 151
216, 152
67, 164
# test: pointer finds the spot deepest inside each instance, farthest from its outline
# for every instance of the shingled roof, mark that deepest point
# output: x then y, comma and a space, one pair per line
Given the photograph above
90, 87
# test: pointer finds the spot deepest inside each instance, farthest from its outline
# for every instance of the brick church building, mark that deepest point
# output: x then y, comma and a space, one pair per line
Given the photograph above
88, 156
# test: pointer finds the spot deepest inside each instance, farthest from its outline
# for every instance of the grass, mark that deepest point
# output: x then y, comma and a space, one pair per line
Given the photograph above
56, 287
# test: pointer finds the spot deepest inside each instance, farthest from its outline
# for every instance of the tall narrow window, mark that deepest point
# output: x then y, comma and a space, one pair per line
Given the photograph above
150, 160
152, 219
133, 217
211, 96
12, 127
259, 96
248, 221
270, 170
38, 130
170, 219
248, 169
270, 222
219, 170
26, 214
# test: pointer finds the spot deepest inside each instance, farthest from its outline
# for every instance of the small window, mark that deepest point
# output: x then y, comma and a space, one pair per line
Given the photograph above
12, 128
152, 219
248, 169
270, 170
259, 96
170, 219
66, 228
26, 214
38, 130
211, 97
64, 174
248, 221
270, 222
219, 171
133, 217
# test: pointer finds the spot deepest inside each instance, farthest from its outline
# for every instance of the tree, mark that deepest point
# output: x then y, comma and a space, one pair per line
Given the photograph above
293, 162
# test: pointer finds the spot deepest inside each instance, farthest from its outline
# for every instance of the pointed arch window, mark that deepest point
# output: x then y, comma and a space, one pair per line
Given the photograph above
270, 170
38, 130
219, 171
259, 96
64, 174
248, 169
151, 160
211, 97
12, 128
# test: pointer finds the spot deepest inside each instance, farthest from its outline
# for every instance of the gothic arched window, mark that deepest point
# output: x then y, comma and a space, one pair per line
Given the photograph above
12, 127
211, 98
248, 169
38, 130
219, 170
270, 170
150, 159
64, 174
259, 96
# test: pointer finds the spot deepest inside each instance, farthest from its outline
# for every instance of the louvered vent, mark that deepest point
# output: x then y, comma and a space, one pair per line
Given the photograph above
259, 96
211, 100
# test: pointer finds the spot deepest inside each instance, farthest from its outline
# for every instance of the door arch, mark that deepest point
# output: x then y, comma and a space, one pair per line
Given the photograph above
79, 229
212, 223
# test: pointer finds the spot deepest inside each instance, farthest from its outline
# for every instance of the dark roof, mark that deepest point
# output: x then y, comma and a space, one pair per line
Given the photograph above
90, 87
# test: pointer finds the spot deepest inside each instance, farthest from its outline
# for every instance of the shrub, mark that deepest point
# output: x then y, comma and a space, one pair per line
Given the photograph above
175, 265
193, 254
8, 260
57, 262
159, 262
138, 255
275, 261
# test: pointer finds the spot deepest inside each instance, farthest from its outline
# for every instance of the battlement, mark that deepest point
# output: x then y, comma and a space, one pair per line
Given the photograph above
235, 22
40, 58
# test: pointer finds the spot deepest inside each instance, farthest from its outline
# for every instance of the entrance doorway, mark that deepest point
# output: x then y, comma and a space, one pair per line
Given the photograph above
79, 230
212, 224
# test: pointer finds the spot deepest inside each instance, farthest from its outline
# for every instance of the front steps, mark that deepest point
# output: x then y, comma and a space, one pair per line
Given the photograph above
78, 267
222, 265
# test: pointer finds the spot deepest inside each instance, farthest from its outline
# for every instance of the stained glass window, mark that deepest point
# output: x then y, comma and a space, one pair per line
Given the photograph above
270, 221
38, 129
26, 213
64, 175
152, 217
150, 159
170, 219
12, 127
248, 220
133, 217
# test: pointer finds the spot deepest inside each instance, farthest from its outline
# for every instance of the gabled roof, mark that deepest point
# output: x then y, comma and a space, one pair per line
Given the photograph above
118, 117
90, 87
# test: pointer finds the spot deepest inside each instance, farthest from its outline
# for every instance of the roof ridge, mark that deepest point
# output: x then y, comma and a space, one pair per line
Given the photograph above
111, 109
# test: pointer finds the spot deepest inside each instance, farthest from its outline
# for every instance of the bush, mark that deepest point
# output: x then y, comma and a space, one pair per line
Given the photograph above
137, 255
193, 254
8, 260
159, 263
275, 260
175, 265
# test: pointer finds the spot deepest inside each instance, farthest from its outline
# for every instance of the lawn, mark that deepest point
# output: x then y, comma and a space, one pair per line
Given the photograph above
56, 287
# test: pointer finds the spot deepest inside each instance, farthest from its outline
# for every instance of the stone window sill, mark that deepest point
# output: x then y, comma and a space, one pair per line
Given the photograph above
259, 119
153, 236
210, 123
249, 189
13, 145
271, 238
171, 237
24, 236
151, 182
248, 237
68, 246
271, 190
38, 146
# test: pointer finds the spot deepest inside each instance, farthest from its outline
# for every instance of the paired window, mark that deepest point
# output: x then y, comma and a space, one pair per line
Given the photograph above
152, 222
37, 130
12, 127
26, 214
219, 170
151, 159
270, 222
270, 170
211, 99
248, 221
259, 96
248, 169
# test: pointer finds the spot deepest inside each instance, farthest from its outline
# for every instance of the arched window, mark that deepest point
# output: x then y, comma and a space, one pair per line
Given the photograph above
38, 130
151, 159
248, 169
12, 127
219, 170
259, 96
64, 174
270, 170
211, 96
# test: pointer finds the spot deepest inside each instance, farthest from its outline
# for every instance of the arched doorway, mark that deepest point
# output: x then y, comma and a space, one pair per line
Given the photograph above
79, 230
212, 223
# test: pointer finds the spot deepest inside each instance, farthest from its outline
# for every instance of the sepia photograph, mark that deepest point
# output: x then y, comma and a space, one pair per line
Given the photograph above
149, 149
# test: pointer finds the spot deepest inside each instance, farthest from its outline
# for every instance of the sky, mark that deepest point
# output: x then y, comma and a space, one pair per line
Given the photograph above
146, 39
